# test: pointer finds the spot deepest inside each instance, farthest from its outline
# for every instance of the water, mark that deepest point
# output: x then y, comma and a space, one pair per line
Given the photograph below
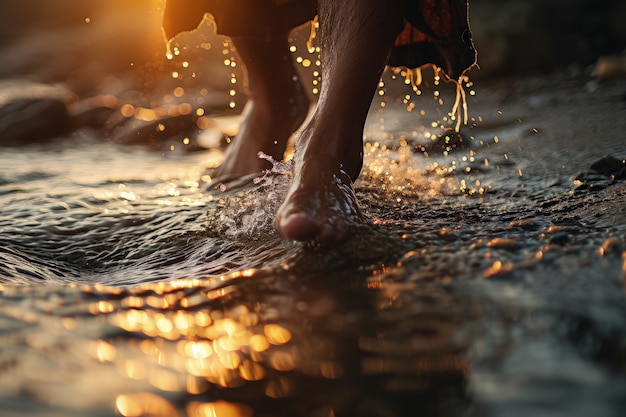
488, 281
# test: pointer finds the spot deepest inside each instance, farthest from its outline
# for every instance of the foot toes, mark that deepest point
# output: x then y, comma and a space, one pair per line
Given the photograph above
297, 227
328, 235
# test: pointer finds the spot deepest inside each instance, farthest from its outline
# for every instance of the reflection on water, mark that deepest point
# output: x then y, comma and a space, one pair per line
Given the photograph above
253, 342
487, 282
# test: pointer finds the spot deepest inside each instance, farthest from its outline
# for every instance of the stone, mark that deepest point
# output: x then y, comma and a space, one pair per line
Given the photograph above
610, 67
608, 166
32, 120
93, 112
179, 132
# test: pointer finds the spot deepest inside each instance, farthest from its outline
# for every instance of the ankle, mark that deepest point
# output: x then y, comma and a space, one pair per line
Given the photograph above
335, 148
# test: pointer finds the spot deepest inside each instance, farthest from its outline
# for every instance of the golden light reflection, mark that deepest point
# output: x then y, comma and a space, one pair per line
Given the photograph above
104, 352
498, 268
218, 409
283, 361
279, 388
251, 371
609, 245
67, 322
276, 334
196, 385
101, 307
127, 110
145, 404
133, 302
146, 115
188, 341
259, 343
199, 349
165, 380
133, 369
191, 350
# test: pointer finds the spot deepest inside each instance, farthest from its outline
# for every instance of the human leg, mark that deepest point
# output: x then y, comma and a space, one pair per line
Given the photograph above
356, 37
277, 106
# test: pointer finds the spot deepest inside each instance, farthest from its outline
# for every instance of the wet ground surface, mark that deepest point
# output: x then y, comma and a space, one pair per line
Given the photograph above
490, 279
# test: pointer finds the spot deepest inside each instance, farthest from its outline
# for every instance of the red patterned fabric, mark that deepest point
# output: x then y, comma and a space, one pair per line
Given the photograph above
436, 32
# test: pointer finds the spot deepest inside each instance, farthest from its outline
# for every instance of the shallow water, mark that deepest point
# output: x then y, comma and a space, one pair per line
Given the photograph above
489, 281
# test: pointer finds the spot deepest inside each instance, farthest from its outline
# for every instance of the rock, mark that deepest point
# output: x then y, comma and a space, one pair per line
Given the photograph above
95, 117
166, 133
608, 166
604, 172
32, 120
559, 238
93, 112
526, 224
610, 67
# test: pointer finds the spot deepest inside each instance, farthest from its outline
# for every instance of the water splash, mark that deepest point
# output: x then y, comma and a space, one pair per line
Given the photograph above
245, 208
458, 115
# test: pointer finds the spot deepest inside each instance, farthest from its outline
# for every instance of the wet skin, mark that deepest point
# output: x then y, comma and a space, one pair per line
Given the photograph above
355, 38
277, 105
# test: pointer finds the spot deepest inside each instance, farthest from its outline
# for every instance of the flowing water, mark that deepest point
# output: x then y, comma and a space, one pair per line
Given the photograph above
490, 279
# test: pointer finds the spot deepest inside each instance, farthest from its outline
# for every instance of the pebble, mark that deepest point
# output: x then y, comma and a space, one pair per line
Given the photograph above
503, 243
620, 175
558, 228
498, 268
93, 112
610, 67
603, 172
589, 176
608, 166
610, 245
559, 238
526, 224
160, 134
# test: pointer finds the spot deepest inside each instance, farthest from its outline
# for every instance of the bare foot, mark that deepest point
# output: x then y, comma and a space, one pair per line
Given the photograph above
320, 205
355, 38
276, 108
265, 128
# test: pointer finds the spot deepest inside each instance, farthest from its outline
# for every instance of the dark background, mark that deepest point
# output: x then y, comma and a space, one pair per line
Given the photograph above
51, 41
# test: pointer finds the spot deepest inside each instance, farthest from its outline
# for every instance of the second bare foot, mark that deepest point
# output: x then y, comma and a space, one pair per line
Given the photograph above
277, 106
